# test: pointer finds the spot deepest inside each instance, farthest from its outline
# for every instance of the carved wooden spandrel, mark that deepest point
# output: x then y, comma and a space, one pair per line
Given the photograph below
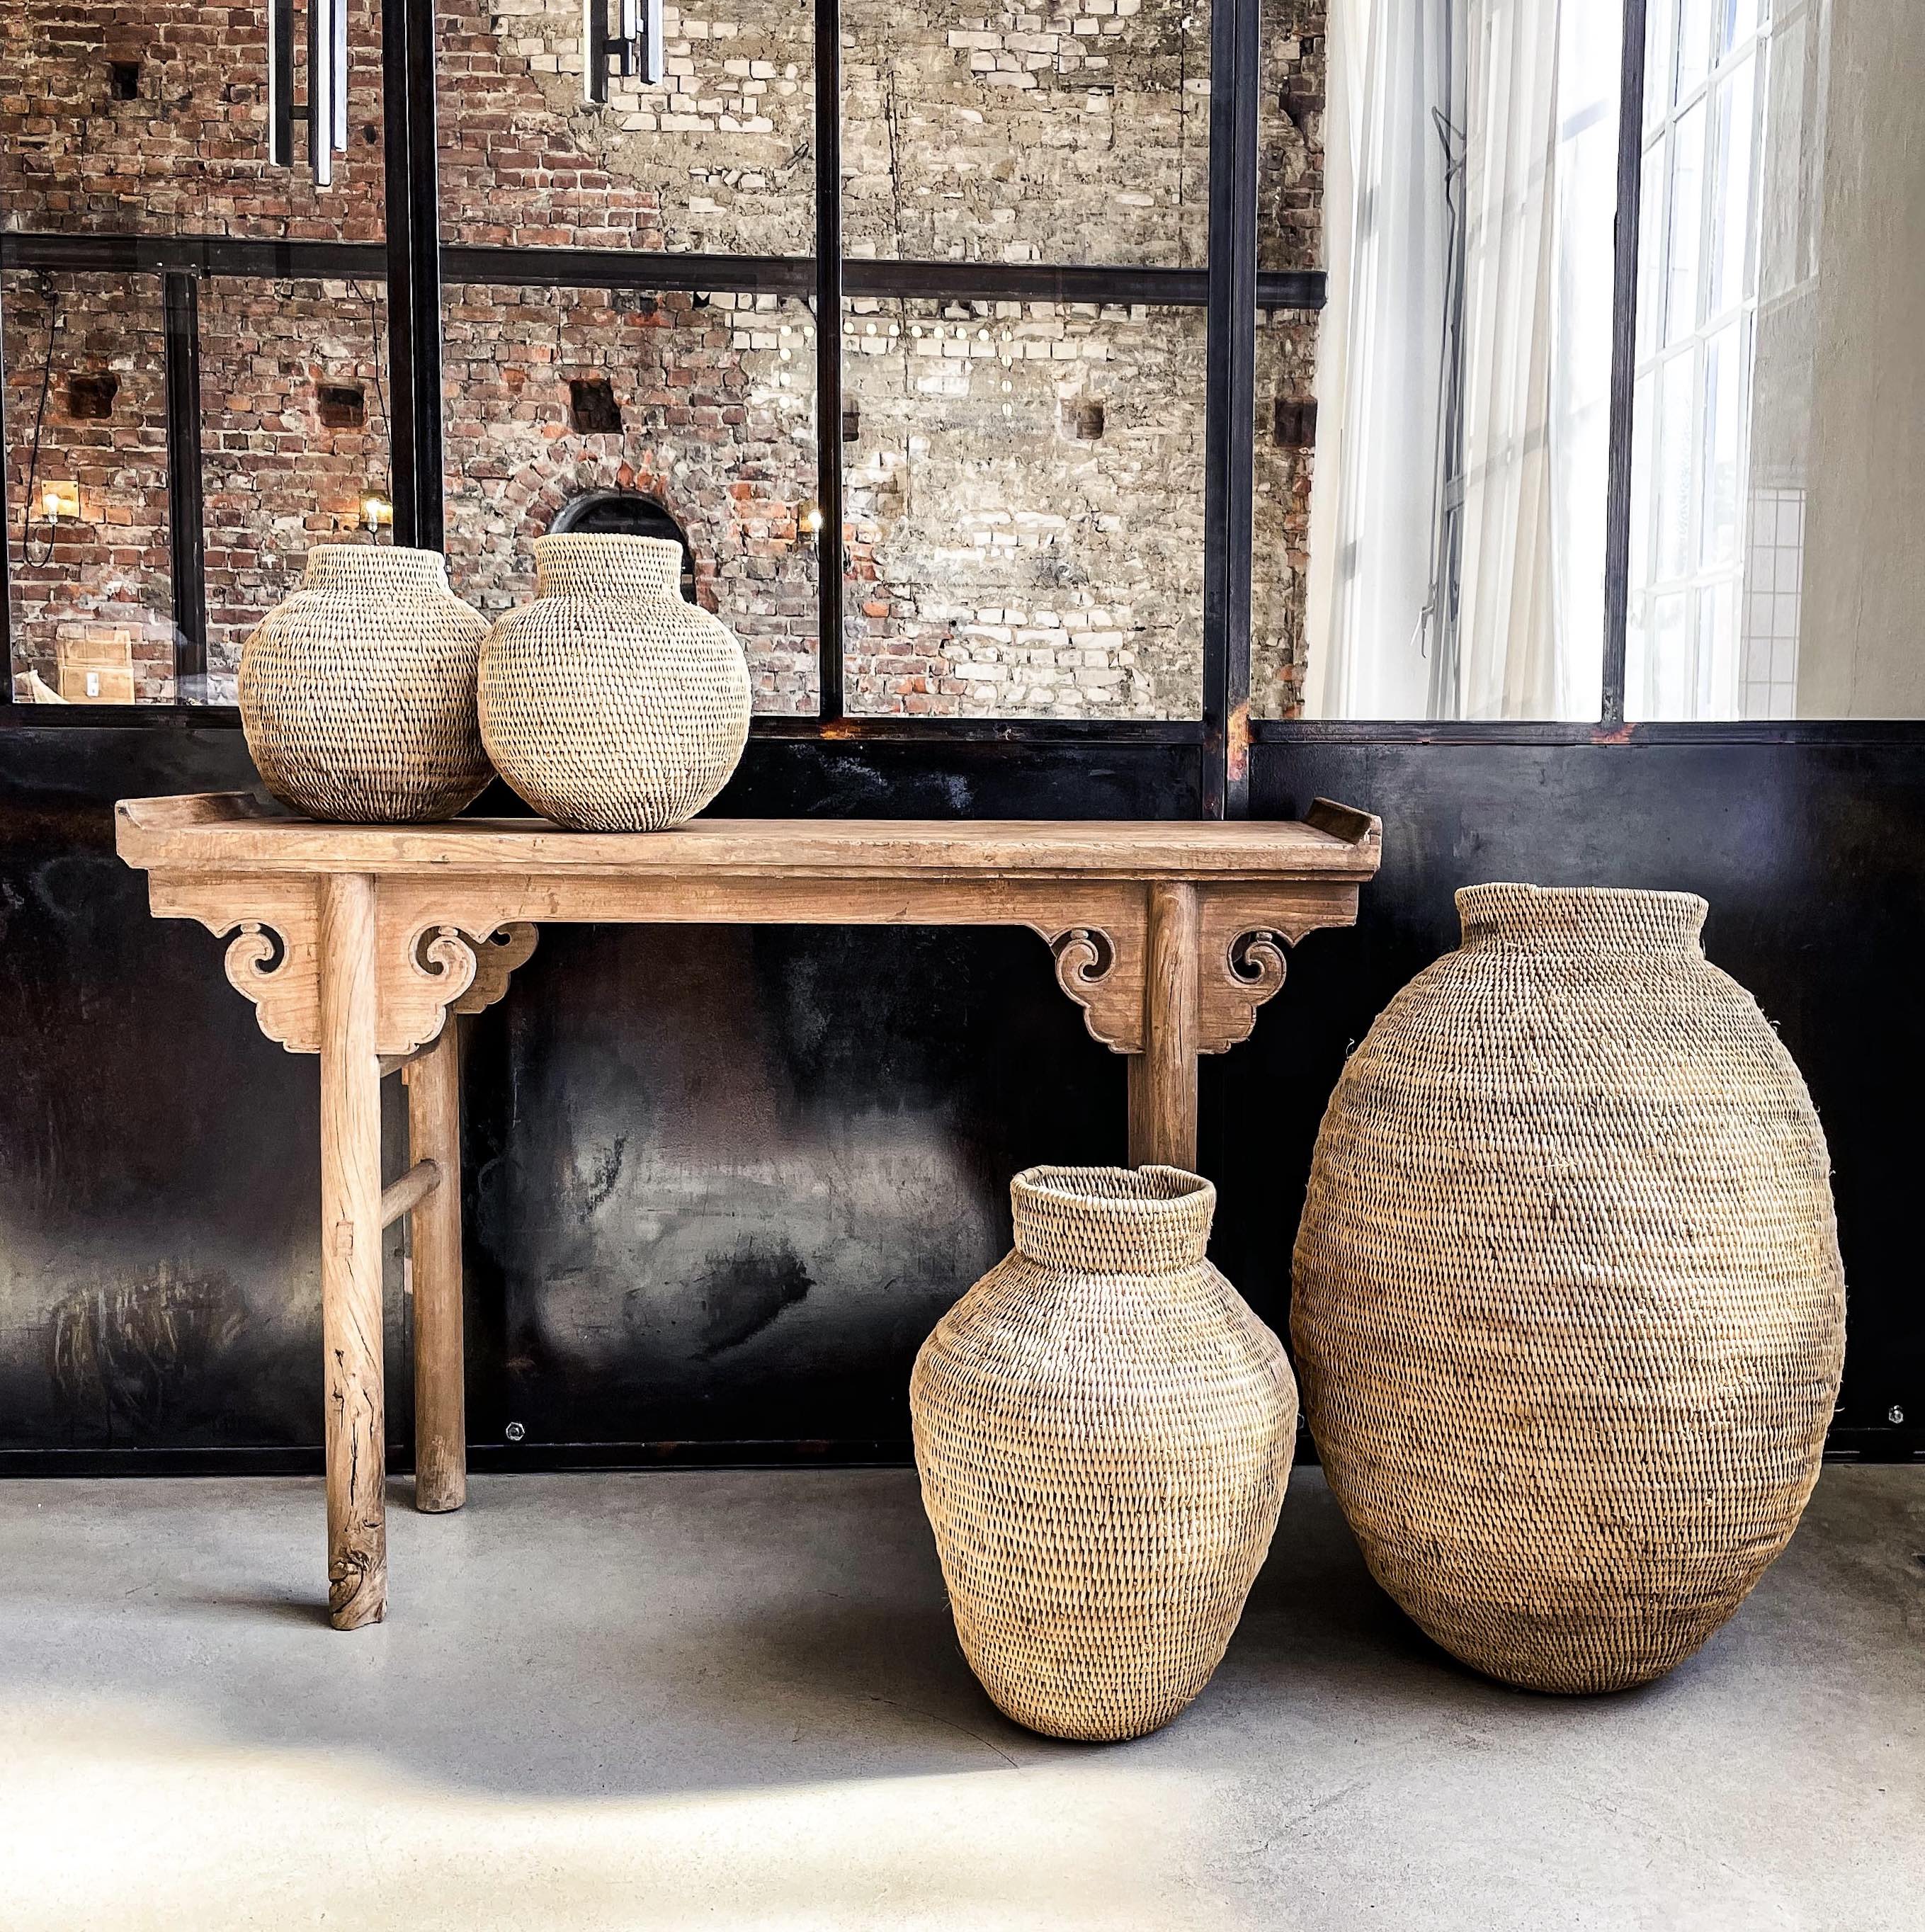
272, 927
1241, 938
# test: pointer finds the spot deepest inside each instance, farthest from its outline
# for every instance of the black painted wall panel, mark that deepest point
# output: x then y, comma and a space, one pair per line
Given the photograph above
721, 1181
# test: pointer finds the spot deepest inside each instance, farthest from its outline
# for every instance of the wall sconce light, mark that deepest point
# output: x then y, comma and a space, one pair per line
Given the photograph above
60, 499
376, 511
635, 47
808, 522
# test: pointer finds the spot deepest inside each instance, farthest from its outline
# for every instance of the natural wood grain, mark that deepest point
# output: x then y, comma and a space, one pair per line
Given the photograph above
403, 1196
434, 1134
157, 832
1163, 1086
351, 1253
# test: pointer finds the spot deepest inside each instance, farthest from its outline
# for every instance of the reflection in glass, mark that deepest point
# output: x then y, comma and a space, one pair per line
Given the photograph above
717, 156
702, 406
1736, 173
91, 608
153, 120
1081, 134
294, 443
1025, 507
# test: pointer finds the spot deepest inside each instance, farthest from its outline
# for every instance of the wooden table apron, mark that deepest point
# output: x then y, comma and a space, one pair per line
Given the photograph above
357, 943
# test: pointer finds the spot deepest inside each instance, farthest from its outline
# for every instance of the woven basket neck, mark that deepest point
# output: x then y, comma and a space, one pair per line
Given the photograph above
1113, 1220
376, 570
1582, 918
608, 566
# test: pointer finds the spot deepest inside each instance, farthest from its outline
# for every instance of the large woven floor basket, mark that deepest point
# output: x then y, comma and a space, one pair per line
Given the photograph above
1104, 1431
1569, 1308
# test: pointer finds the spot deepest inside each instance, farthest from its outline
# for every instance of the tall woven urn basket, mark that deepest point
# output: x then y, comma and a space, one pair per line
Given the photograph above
357, 694
1569, 1308
609, 704
1104, 1431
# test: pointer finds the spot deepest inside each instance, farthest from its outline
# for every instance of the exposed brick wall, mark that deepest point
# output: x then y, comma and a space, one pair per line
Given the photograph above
105, 580
1003, 559
717, 400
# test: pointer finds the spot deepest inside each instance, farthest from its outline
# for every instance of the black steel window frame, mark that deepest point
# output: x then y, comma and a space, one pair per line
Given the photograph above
413, 263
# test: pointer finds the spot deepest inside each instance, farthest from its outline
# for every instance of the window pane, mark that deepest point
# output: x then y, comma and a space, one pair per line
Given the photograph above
1660, 27
682, 415
1693, 57
1285, 444
1290, 135
92, 596
294, 443
1081, 135
717, 156
1684, 264
1456, 531
1722, 447
1025, 496
154, 121
1676, 431
1730, 237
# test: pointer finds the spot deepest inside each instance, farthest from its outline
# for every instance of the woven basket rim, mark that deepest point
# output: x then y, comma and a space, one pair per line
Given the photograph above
1143, 1220
592, 563
1514, 912
392, 565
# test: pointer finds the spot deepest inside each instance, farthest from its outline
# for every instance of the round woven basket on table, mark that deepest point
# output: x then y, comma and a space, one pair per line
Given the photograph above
1104, 1431
357, 694
609, 704
1568, 1309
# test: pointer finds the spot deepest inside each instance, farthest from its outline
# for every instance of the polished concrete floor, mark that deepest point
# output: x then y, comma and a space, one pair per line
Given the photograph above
734, 1700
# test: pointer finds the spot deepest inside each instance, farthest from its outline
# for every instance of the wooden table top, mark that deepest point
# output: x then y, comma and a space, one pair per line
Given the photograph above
215, 831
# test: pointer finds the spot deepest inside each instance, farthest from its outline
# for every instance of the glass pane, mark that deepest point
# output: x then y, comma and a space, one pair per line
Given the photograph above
294, 443
1455, 556
1650, 246
92, 595
688, 415
1730, 237
1676, 444
1285, 445
1290, 135
1684, 265
156, 122
1660, 26
1722, 447
1693, 59
1025, 499
717, 156
1717, 669
1737, 20
1076, 136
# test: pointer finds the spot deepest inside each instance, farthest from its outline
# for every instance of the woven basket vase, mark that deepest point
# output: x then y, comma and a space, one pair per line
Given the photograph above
1569, 1308
609, 704
1104, 1431
357, 694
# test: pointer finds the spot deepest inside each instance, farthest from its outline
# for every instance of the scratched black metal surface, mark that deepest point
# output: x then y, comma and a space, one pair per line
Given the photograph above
721, 1181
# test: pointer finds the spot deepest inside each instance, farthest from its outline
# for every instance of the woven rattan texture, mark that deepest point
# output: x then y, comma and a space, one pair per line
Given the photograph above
609, 704
1568, 1309
1104, 1431
357, 694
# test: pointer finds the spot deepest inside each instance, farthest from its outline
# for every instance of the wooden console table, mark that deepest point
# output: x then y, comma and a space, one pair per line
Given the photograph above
357, 942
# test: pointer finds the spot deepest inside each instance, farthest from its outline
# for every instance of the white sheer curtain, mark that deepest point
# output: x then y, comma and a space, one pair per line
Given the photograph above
1385, 240
1457, 531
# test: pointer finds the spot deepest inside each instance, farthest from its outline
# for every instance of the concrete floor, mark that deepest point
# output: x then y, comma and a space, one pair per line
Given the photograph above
734, 1700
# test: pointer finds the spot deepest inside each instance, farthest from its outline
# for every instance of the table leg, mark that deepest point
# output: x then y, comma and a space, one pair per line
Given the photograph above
351, 1253
1162, 1077
434, 1133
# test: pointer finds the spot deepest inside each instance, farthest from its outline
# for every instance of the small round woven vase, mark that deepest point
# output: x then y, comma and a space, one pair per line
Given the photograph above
357, 694
609, 704
1104, 1431
1569, 1308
